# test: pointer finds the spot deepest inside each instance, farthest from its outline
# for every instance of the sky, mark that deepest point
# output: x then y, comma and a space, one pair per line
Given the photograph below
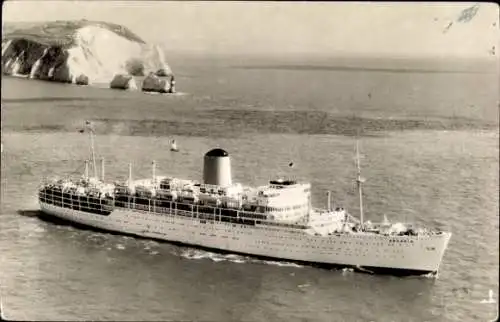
283, 28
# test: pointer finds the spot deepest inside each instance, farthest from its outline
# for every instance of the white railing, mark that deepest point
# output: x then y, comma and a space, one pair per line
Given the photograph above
65, 199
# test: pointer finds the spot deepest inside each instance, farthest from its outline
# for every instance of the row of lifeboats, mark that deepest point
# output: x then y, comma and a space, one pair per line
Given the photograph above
90, 187
185, 196
77, 191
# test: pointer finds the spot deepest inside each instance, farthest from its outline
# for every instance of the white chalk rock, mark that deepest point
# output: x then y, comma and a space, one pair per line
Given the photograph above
63, 51
82, 80
123, 82
153, 83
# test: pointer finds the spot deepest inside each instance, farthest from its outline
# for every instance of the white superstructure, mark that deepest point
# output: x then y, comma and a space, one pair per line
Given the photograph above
275, 220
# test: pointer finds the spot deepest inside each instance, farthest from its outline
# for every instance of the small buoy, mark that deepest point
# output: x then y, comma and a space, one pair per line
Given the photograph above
173, 147
491, 300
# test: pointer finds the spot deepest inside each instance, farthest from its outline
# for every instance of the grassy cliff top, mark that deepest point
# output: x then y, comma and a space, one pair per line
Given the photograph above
60, 32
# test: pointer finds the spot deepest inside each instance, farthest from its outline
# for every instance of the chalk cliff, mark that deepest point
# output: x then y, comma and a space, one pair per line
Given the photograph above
79, 52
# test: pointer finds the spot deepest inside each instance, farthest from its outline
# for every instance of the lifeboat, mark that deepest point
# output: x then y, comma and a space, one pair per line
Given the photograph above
166, 184
142, 191
80, 191
233, 203
163, 194
145, 191
204, 196
210, 199
191, 199
167, 195
122, 190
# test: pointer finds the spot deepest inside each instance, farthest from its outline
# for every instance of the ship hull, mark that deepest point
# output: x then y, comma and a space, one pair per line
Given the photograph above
393, 255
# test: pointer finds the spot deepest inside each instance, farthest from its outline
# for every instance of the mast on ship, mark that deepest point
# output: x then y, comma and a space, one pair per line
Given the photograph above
102, 169
359, 181
153, 165
92, 149
86, 169
130, 173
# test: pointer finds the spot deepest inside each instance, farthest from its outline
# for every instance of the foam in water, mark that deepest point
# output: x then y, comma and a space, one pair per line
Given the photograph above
491, 298
277, 263
347, 270
169, 94
200, 254
39, 229
431, 275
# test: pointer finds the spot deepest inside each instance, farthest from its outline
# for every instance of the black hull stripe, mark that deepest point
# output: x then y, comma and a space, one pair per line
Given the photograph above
364, 269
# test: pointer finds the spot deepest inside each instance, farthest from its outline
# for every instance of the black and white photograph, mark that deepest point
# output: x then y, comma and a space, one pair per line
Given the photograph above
249, 161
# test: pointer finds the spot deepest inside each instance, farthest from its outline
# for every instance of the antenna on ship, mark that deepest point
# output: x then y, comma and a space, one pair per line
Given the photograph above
130, 173
86, 169
102, 169
359, 181
88, 125
154, 171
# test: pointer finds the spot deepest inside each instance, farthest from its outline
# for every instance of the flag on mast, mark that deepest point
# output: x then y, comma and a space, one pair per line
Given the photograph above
88, 125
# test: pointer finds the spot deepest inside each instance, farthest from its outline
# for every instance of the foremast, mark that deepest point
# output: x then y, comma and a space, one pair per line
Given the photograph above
88, 126
359, 182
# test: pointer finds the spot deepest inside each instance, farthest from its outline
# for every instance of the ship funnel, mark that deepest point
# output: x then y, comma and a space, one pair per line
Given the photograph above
217, 168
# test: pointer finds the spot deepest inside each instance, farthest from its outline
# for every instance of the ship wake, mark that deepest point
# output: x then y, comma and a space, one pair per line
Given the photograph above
191, 253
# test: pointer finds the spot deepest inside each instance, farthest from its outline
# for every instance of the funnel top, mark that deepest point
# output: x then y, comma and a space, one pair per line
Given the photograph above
217, 153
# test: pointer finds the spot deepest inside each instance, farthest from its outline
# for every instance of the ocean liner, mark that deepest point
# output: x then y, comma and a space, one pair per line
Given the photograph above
275, 220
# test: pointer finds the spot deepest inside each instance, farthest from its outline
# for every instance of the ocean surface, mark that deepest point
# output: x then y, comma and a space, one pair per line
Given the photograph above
429, 141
